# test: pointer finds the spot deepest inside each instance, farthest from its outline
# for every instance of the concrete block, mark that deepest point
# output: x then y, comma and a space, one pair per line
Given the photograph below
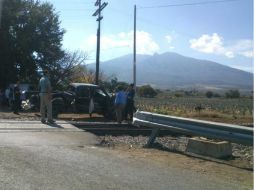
208, 147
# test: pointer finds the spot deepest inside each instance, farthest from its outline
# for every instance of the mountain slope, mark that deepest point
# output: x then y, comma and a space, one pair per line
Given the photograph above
169, 70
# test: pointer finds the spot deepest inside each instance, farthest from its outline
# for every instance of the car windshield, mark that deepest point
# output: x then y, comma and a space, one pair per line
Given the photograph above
71, 89
83, 91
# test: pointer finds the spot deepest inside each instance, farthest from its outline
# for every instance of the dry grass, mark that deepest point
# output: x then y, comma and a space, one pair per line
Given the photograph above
219, 110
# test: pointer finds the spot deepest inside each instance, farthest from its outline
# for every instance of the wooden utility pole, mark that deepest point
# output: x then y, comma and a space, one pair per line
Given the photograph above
134, 50
1, 8
98, 12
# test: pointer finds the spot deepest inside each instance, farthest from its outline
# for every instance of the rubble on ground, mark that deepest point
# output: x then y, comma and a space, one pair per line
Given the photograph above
242, 156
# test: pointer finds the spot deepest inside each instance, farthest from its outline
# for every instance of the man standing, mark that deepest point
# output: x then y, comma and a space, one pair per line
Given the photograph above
45, 97
7, 95
91, 103
120, 101
16, 98
130, 102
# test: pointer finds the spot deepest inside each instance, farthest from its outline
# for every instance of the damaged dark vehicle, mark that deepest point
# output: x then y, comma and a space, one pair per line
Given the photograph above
77, 99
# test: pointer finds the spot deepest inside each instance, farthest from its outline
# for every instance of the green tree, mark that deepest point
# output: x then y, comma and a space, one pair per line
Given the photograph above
232, 94
216, 95
209, 94
147, 91
30, 39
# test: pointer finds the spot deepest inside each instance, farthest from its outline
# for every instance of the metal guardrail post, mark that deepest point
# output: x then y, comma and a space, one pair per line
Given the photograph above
152, 137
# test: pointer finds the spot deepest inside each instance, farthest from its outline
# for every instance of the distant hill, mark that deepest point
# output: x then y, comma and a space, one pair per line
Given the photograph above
171, 70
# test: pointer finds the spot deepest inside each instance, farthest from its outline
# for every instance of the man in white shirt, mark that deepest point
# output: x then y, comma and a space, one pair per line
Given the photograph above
45, 97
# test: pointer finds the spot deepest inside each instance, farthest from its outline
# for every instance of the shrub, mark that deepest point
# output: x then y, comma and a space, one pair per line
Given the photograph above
232, 94
146, 91
209, 94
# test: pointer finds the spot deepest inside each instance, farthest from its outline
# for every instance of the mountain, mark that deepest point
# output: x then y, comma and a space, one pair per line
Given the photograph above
171, 70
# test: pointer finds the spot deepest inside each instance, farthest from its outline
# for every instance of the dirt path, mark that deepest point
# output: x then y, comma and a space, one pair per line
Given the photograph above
168, 159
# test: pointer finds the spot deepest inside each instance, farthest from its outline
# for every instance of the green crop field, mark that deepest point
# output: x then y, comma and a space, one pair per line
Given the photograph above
238, 111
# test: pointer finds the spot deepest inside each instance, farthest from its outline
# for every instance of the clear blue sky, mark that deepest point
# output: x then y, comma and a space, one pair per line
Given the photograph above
217, 31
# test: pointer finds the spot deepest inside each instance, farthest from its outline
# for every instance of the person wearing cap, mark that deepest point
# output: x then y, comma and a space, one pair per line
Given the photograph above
45, 98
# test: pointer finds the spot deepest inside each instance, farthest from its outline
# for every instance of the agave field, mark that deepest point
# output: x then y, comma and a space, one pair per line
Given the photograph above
238, 111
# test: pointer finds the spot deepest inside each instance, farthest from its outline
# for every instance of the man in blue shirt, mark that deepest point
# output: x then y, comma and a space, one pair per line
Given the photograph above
45, 97
120, 101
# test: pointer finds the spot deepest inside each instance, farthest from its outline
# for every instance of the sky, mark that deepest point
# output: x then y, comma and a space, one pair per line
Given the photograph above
215, 30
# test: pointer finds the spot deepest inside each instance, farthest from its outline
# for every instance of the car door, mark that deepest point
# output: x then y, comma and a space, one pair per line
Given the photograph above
82, 99
100, 100
68, 96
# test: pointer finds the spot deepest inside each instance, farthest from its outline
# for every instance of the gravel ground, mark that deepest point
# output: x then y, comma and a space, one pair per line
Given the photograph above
242, 156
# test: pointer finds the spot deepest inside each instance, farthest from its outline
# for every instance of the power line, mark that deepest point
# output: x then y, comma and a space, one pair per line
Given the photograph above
74, 10
66, 2
186, 4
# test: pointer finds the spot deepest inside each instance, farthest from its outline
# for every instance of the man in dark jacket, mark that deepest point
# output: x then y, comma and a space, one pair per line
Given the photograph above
129, 108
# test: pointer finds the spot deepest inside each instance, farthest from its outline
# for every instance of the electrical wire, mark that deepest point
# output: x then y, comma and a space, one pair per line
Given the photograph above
185, 4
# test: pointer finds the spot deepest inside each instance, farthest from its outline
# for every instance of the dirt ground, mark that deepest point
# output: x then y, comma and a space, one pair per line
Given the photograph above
206, 167
239, 169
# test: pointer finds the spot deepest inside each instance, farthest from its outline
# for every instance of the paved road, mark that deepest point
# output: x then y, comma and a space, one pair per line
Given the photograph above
35, 156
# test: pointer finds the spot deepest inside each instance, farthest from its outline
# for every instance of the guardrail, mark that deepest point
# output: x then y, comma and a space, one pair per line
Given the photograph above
214, 130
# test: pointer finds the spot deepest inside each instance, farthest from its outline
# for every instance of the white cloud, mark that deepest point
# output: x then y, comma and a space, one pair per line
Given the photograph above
214, 44
122, 35
229, 54
145, 43
209, 44
242, 45
244, 48
169, 39
249, 54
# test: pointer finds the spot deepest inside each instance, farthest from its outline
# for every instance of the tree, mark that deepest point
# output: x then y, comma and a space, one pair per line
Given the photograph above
112, 83
82, 74
232, 94
209, 94
147, 91
70, 69
30, 39
216, 95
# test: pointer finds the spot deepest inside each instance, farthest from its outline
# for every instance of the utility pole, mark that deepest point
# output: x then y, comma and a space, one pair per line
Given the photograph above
100, 6
134, 50
1, 8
